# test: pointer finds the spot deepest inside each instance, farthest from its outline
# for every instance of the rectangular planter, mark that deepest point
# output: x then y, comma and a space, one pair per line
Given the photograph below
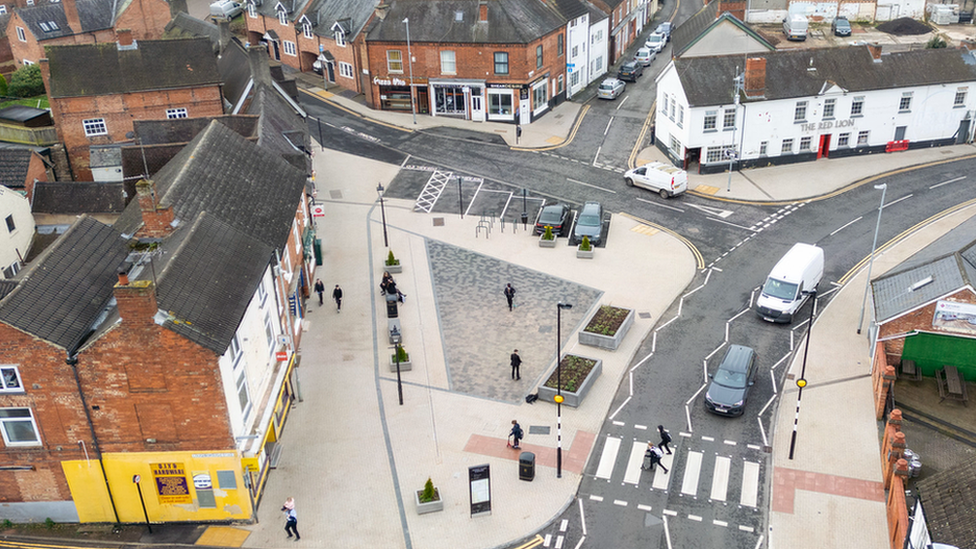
393, 269
604, 341
572, 398
404, 366
543, 243
430, 506
584, 254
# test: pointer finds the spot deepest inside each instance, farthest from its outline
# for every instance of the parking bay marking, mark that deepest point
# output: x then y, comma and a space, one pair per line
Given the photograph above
591, 186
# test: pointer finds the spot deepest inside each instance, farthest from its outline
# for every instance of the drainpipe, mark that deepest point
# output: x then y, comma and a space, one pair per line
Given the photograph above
72, 361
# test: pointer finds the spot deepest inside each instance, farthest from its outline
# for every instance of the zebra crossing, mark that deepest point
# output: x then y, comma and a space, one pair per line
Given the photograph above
727, 479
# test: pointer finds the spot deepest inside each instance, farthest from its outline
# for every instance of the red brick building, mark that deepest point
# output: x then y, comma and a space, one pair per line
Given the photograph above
496, 58
31, 28
97, 90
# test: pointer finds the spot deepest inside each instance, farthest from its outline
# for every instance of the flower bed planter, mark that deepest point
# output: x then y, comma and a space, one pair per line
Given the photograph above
584, 254
393, 269
430, 506
543, 243
607, 327
405, 366
578, 374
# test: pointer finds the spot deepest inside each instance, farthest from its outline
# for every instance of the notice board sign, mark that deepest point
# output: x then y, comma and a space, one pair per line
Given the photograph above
171, 484
479, 488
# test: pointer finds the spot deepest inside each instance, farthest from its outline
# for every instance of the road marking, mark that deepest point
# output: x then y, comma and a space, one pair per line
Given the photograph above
620, 502
644, 507
591, 186
563, 525
750, 483
845, 226
622, 101
608, 126
892, 203
706, 189
689, 484
596, 498
695, 518
717, 212
753, 447
662, 479
709, 439
749, 529
633, 473
641, 427
731, 442
947, 182
597, 155
619, 423
734, 225
720, 478
605, 469
670, 513
653, 203
559, 542
548, 538
721, 523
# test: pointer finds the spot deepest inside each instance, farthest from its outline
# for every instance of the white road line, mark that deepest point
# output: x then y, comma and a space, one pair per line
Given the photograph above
689, 484
749, 529
670, 513
559, 542
653, 203
695, 518
732, 224
644, 507
591, 186
632, 474
563, 525
622, 101
750, 483
893, 202
597, 155
662, 479
582, 519
620, 423
607, 459
846, 226
730, 442
641, 427
583, 538
720, 478
708, 439
596, 498
684, 434
608, 126
753, 447
947, 182
721, 523
547, 540
620, 502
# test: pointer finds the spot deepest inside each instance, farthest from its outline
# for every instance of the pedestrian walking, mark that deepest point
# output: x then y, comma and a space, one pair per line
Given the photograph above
516, 362
509, 295
291, 518
319, 289
516, 434
652, 457
665, 443
337, 296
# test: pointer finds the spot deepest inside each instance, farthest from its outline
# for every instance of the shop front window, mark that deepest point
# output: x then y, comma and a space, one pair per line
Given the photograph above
540, 97
449, 100
500, 103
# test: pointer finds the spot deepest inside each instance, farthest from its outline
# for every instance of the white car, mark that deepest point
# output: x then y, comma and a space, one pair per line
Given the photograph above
662, 178
610, 88
656, 42
645, 56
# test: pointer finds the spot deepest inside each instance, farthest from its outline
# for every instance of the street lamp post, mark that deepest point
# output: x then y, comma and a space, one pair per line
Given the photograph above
736, 87
867, 283
460, 199
559, 389
135, 480
413, 106
802, 382
379, 190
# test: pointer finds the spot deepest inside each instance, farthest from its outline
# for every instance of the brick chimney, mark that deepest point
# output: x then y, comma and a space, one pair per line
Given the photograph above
875, 50
224, 36
156, 220
258, 59
136, 300
124, 37
755, 77
71, 14
483, 11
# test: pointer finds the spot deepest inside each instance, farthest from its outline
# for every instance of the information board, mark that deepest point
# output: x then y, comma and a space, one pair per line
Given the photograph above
479, 480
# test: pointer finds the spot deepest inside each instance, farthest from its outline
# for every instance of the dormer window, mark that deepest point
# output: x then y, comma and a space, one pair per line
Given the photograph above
307, 30
251, 10
459, 15
282, 17
340, 38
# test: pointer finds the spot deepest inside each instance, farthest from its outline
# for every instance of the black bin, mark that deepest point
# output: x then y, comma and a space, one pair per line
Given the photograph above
526, 466
391, 309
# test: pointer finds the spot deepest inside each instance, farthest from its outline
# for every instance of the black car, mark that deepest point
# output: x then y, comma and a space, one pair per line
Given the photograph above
630, 70
555, 216
729, 389
841, 26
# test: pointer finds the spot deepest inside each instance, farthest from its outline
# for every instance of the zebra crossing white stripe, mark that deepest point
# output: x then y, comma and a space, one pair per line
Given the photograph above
662, 479
689, 484
750, 483
720, 478
633, 473
610, 449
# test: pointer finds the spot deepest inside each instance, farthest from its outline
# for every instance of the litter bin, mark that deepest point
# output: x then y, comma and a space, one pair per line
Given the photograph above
526, 466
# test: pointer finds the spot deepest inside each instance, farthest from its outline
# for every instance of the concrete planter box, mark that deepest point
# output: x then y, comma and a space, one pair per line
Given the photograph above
430, 506
404, 366
606, 341
543, 243
393, 269
572, 398
584, 254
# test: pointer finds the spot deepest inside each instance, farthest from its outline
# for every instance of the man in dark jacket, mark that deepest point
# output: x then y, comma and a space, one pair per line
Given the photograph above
516, 434
516, 362
509, 295
319, 289
337, 296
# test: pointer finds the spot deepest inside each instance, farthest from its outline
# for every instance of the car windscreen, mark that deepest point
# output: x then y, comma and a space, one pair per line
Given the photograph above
589, 220
730, 379
654, 38
550, 216
780, 289
606, 87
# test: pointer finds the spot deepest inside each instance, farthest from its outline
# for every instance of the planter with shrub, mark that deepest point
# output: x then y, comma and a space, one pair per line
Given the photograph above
607, 327
578, 374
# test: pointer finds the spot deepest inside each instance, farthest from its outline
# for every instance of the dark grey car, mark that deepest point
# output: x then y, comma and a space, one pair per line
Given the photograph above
729, 389
590, 223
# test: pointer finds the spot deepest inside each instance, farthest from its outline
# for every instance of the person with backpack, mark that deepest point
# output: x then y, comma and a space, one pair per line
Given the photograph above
665, 439
652, 457
516, 434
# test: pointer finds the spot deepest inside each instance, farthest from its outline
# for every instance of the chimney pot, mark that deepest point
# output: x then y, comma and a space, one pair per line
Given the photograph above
875, 50
124, 37
123, 278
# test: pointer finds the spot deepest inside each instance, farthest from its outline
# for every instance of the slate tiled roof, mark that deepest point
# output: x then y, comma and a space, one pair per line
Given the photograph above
708, 80
235, 70
697, 26
93, 14
293, 8
950, 261
209, 277
281, 129
509, 22
185, 25
353, 15
183, 130
14, 164
68, 287
78, 197
568, 9
949, 501
240, 183
6, 286
102, 69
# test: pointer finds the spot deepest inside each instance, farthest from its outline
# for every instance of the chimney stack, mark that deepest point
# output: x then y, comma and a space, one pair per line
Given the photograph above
875, 50
258, 58
483, 11
223, 26
136, 301
156, 220
124, 37
71, 14
755, 77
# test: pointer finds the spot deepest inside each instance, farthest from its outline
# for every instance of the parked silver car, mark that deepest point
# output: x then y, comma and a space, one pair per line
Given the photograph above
610, 88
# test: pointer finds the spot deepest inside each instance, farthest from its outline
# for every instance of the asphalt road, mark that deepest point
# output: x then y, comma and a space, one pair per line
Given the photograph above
717, 490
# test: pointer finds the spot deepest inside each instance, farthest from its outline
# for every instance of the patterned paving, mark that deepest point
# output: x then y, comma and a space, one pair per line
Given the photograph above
480, 332
787, 481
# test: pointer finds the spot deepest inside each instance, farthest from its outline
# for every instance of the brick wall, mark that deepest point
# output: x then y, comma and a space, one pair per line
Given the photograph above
920, 319
146, 19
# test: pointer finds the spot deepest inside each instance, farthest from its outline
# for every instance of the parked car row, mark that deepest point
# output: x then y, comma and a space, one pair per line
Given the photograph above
611, 88
558, 218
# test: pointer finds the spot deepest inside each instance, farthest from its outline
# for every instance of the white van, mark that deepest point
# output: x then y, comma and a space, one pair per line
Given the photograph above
225, 9
795, 27
666, 179
799, 271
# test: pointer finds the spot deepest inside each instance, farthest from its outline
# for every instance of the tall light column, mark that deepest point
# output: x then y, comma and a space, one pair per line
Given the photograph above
867, 283
413, 106
559, 389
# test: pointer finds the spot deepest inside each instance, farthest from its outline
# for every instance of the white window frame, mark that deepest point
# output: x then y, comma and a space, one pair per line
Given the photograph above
11, 224
94, 126
30, 418
5, 378
346, 70
787, 147
289, 47
252, 11
763, 148
3, 9
905, 103
862, 138
448, 62
844, 140
28, 62
540, 96
800, 112
262, 293
307, 31
714, 154
830, 106
857, 106
681, 116
710, 124
960, 99
21, 35
394, 60
728, 118
282, 17
179, 112
340, 38
806, 144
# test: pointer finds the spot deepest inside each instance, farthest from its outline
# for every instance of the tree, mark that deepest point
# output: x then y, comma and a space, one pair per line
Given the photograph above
937, 42
27, 82
3, 85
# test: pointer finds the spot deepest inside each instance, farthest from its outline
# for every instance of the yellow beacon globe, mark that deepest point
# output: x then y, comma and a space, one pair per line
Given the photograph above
559, 399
